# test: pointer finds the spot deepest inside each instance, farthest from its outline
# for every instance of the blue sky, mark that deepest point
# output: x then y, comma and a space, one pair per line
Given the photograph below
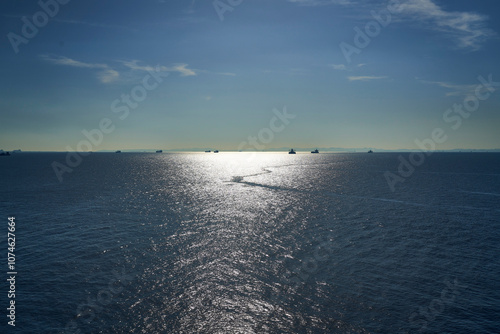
221, 79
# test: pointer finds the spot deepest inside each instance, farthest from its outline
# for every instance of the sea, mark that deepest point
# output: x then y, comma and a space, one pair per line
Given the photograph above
252, 243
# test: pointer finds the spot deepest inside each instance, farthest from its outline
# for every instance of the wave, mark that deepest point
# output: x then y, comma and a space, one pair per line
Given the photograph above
480, 193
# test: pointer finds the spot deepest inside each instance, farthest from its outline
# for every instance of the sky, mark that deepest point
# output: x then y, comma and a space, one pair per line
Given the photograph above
249, 74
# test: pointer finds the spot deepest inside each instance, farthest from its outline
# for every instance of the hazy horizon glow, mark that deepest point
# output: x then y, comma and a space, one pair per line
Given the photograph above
173, 75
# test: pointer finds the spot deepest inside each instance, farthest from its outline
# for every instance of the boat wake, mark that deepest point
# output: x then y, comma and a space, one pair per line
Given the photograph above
267, 170
480, 193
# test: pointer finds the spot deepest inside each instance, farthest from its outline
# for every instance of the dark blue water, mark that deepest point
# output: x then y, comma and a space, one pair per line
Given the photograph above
265, 243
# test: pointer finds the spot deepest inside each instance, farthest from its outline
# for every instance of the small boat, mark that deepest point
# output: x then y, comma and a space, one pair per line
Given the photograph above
208, 151
4, 153
315, 151
292, 151
159, 151
216, 151
118, 151
370, 151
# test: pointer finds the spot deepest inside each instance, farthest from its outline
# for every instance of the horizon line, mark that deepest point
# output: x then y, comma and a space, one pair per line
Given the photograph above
271, 150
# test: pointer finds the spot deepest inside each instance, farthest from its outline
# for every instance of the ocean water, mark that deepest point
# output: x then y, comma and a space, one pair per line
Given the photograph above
253, 243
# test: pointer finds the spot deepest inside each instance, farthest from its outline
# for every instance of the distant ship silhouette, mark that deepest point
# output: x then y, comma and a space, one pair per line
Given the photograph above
292, 151
315, 151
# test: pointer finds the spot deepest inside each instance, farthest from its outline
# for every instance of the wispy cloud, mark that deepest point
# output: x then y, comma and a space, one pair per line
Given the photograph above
105, 75
190, 10
365, 78
343, 67
467, 29
182, 69
71, 62
338, 67
108, 74
453, 89
134, 65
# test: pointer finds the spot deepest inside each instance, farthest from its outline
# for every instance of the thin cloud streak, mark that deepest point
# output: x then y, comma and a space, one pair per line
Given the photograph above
455, 89
180, 68
71, 62
343, 67
338, 67
466, 28
133, 65
365, 78
107, 75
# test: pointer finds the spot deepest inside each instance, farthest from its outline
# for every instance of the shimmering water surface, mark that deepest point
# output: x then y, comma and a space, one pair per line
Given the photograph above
254, 243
